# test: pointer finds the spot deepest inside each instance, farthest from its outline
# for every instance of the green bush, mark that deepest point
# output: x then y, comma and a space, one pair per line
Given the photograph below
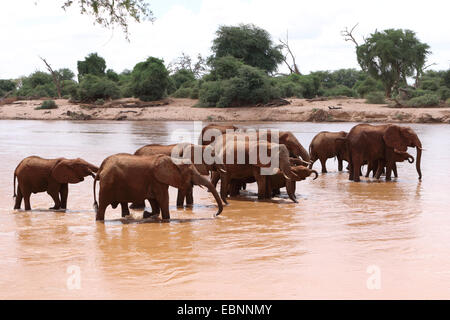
6, 86
182, 76
250, 86
149, 80
427, 100
47, 104
94, 87
339, 90
182, 93
376, 97
430, 84
447, 102
367, 85
444, 93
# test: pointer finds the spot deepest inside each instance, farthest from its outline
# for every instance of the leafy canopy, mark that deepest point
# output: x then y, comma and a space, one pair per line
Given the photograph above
109, 13
92, 64
149, 79
391, 56
248, 43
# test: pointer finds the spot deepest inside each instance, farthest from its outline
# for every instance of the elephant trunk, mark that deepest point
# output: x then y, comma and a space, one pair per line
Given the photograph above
303, 153
202, 181
418, 159
316, 174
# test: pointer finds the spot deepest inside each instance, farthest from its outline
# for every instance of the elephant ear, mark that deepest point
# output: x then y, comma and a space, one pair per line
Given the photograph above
393, 139
64, 172
167, 172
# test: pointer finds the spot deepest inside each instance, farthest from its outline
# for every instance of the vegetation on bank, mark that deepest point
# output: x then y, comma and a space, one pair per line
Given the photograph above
242, 70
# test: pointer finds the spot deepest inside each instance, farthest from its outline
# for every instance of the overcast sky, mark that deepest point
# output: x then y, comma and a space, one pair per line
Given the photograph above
33, 28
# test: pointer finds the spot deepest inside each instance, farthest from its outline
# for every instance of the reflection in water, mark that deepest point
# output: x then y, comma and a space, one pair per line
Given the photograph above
318, 248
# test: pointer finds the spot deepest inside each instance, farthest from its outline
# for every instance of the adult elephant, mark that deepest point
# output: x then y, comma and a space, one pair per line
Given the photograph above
129, 178
212, 131
286, 138
183, 151
242, 158
326, 145
35, 174
380, 143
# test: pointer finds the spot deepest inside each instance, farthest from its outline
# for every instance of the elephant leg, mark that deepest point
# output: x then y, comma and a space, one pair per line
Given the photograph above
55, 196
180, 198
276, 192
163, 200
64, 193
100, 216
268, 189
224, 184
340, 164
356, 166
290, 189
261, 181
369, 168
19, 198
190, 197
323, 162
388, 171
125, 210
155, 209
215, 177
394, 168
137, 205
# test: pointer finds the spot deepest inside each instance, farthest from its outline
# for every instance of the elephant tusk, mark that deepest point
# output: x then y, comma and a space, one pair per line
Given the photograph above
286, 177
221, 170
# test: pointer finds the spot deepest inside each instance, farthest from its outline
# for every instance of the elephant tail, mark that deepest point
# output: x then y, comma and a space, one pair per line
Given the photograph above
97, 177
14, 193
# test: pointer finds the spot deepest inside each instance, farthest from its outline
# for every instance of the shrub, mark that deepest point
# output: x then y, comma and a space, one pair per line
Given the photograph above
47, 104
6, 86
376, 97
427, 100
93, 87
447, 102
430, 84
149, 79
181, 77
368, 85
225, 68
182, 93
339, 90
250, 86
99, 102
444, 93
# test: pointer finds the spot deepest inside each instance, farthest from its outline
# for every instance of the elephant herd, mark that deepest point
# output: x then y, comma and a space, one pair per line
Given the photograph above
234, 156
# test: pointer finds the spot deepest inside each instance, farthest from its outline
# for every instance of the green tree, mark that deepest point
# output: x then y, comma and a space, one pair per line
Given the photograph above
248, 43
182, 76
149, 79
92, 64
391, 56
6, 86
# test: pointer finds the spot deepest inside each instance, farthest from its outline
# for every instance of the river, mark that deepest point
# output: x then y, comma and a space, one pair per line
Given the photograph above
374, 240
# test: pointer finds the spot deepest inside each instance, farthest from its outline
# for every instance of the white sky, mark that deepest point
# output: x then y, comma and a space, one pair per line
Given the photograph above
33, 28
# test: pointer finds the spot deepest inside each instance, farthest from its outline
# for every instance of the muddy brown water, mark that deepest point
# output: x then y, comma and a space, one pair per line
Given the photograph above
342, 240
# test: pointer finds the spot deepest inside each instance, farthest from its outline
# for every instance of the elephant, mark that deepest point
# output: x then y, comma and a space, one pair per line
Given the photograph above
286, 138
326, 145
385, 143
378, 167
245, 167
181, 150
130, 178
278, 181
216, 130
35, 174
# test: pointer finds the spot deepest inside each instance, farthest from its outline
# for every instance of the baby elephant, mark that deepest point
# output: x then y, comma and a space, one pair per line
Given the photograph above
36, 174
278, 181
327, 145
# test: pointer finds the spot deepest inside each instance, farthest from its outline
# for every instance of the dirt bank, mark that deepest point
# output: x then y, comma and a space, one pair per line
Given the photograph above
349, 110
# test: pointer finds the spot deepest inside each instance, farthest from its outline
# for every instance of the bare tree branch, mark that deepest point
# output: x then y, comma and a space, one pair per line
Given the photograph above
348, 35
285, 45
56, 77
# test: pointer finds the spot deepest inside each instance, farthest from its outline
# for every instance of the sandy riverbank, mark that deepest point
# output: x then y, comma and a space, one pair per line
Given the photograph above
352, 110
